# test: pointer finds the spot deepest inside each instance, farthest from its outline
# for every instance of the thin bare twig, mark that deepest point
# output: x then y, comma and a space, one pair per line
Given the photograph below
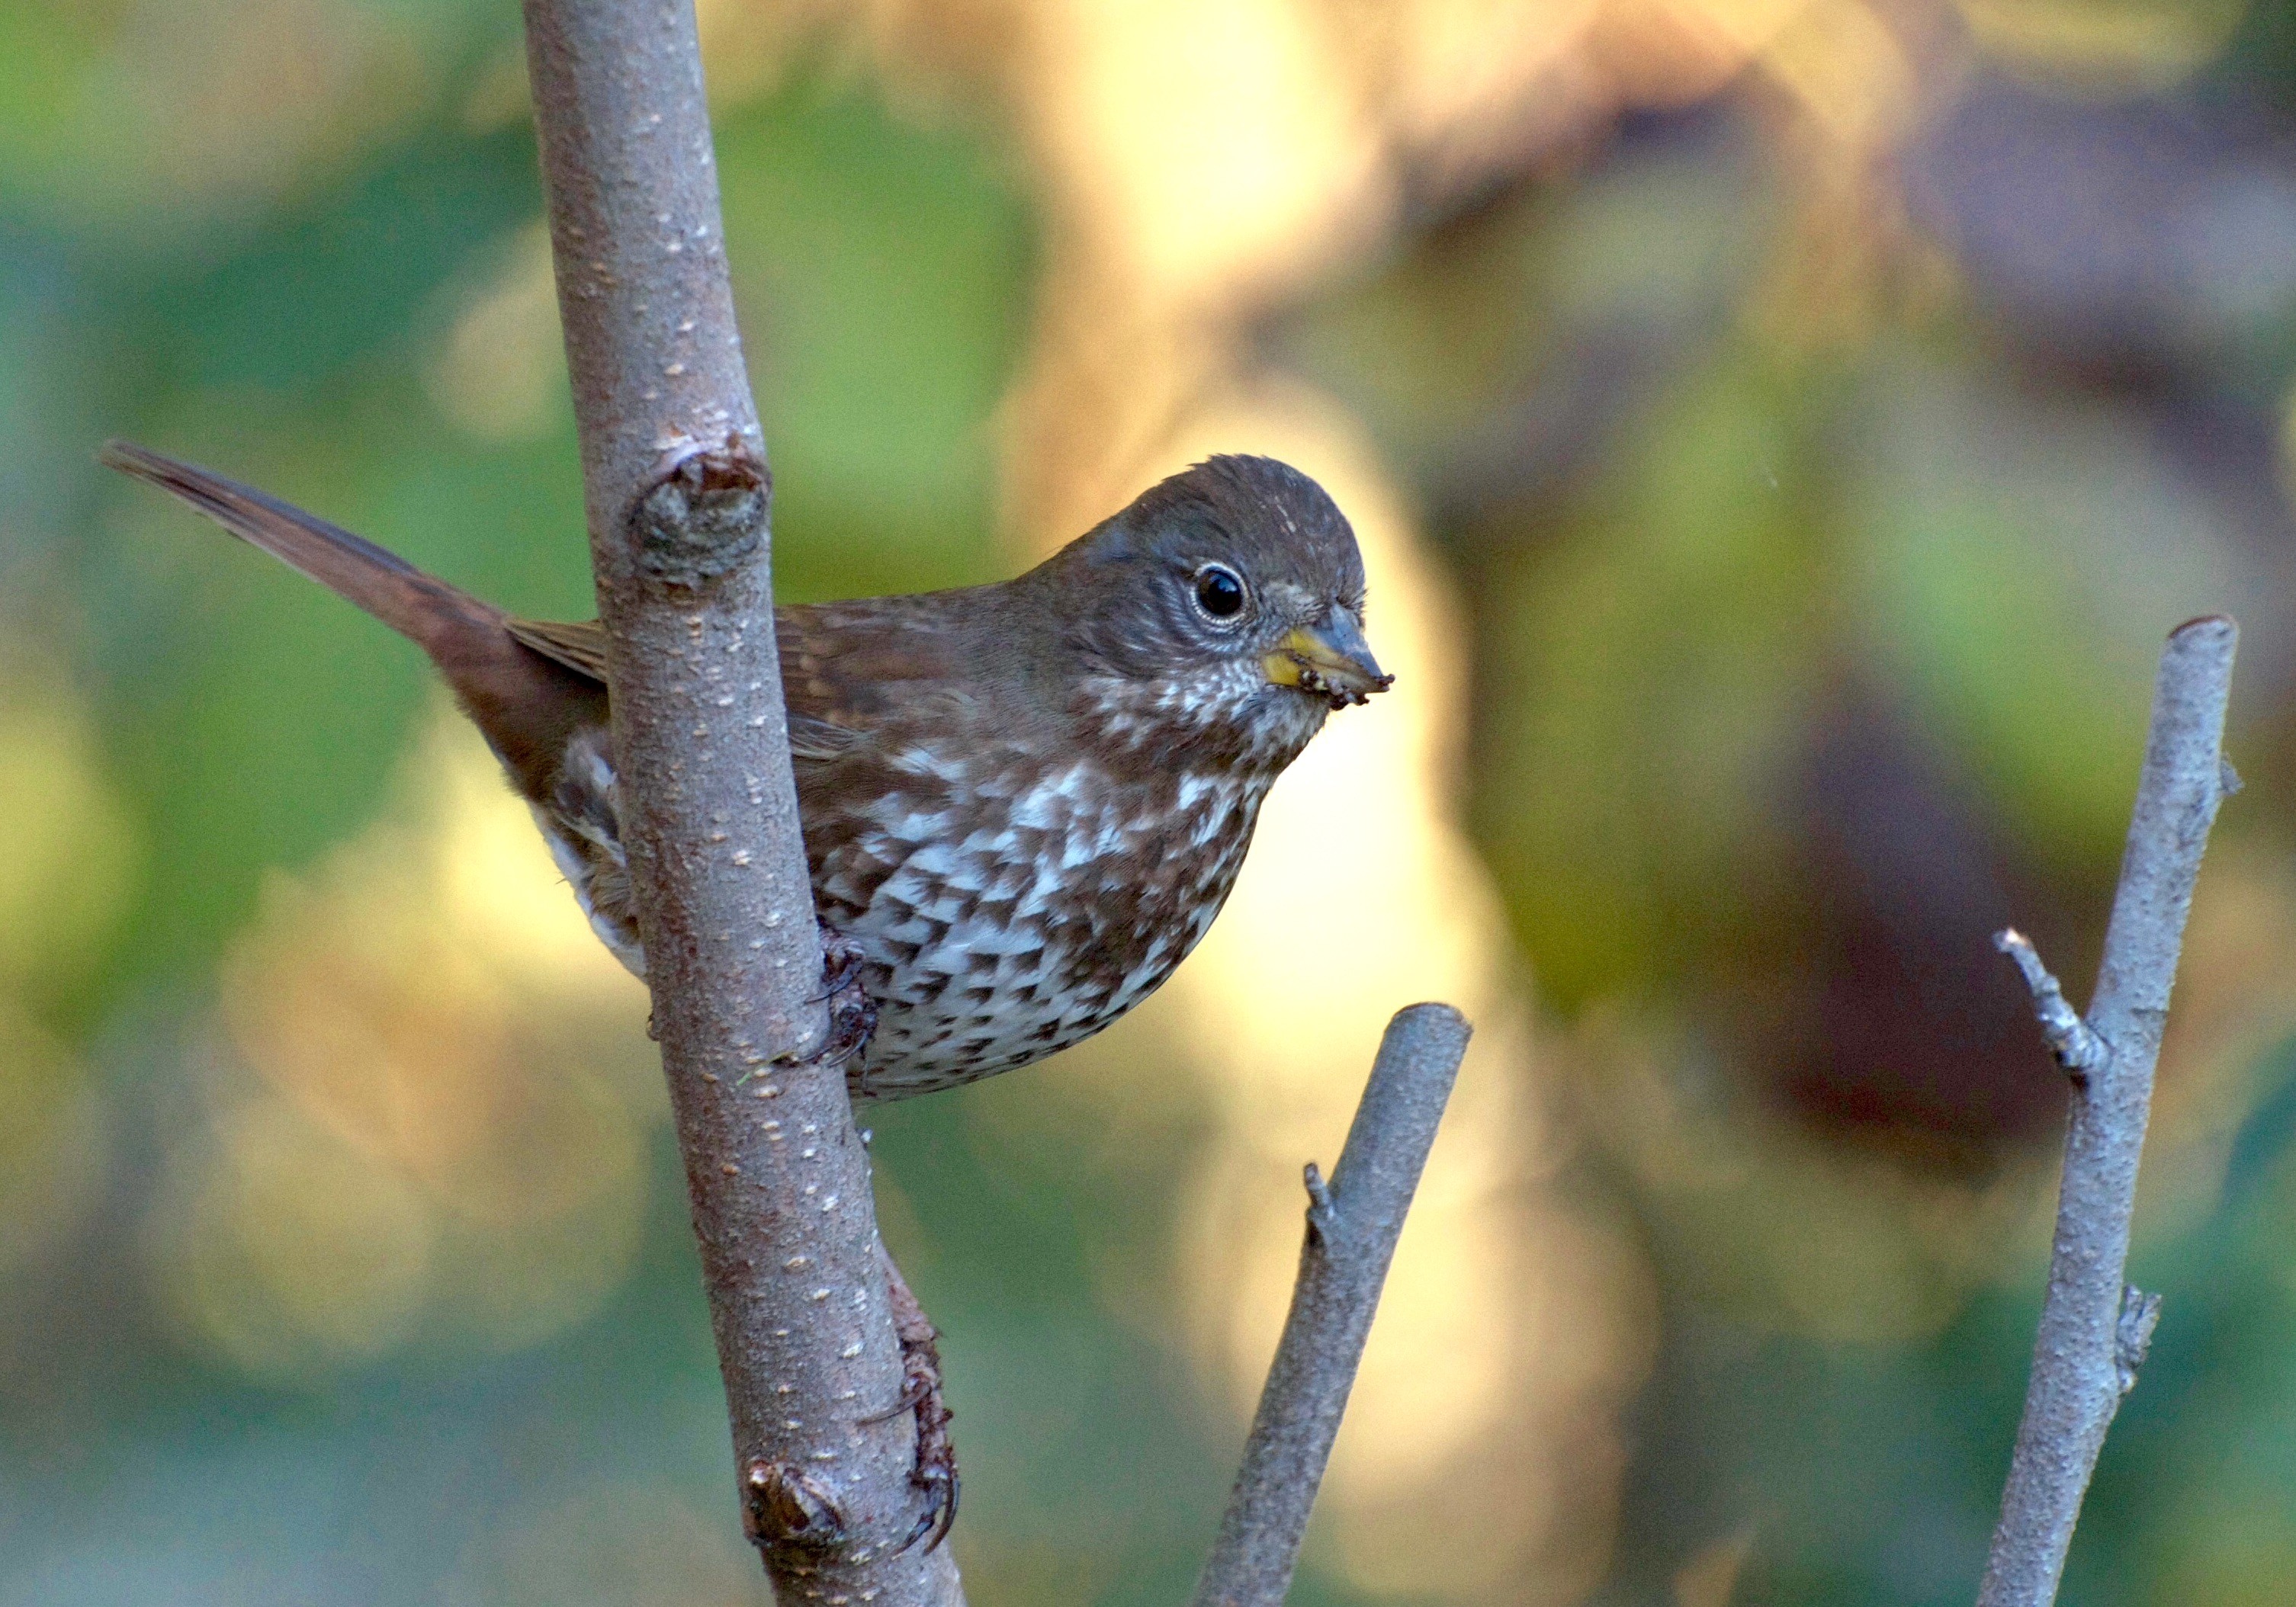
1353, 1223
2076, 1048
2094, 1327
679, 496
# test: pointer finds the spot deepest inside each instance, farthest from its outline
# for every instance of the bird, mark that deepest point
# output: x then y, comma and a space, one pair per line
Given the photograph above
1023, 803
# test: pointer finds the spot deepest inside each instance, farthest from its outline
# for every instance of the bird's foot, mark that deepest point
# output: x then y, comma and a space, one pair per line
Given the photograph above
935, 1472
852, 1014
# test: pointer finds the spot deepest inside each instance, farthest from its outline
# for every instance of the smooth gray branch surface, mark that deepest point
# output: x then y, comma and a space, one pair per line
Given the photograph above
1353, 1223
2094, 1327
678, 499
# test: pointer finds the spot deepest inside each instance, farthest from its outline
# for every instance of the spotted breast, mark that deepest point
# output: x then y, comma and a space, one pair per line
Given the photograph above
1012, 885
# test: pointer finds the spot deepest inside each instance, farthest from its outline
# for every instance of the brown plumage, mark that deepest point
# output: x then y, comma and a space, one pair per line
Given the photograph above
1023, 803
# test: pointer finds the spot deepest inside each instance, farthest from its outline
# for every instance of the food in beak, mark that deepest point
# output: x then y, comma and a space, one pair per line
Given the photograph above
1330, 659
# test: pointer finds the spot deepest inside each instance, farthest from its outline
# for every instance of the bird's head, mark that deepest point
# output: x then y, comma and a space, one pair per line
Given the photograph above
1225, 602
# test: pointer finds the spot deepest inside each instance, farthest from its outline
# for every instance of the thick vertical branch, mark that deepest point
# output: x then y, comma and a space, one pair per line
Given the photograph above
2094, 1326
678, 496
1352, 1226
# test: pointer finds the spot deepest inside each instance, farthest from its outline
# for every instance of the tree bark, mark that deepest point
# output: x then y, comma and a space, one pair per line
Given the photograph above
678, 499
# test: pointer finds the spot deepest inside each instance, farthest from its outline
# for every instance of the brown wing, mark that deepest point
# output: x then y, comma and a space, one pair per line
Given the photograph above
579, 645
852, 670
846, 667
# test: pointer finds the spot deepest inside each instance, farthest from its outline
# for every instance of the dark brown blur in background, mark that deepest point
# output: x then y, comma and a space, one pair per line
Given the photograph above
1782, 432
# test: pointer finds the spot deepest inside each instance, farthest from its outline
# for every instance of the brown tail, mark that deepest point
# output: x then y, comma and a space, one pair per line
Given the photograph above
394, 591
526, 704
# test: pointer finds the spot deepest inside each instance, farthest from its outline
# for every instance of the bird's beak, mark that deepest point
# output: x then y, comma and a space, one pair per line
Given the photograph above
1331, 658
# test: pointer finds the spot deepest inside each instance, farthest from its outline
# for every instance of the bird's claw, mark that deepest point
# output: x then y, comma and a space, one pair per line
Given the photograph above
852, 1014
912, 1392
940, 1484
935, 1472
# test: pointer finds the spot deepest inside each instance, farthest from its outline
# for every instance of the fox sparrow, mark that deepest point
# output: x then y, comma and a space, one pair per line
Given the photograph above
1023, 803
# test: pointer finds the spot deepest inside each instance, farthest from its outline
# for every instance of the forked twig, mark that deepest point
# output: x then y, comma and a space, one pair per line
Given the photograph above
2095, 1328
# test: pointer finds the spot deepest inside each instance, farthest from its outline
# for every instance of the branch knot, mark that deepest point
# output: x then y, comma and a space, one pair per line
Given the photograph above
1323, 1214
702, 512
2132, 1334
781, 1505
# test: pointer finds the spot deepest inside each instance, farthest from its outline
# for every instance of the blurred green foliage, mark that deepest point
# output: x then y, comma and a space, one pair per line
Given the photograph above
1798, 661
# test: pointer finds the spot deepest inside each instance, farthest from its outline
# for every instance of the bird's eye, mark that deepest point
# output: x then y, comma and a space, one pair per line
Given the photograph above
1220, 591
